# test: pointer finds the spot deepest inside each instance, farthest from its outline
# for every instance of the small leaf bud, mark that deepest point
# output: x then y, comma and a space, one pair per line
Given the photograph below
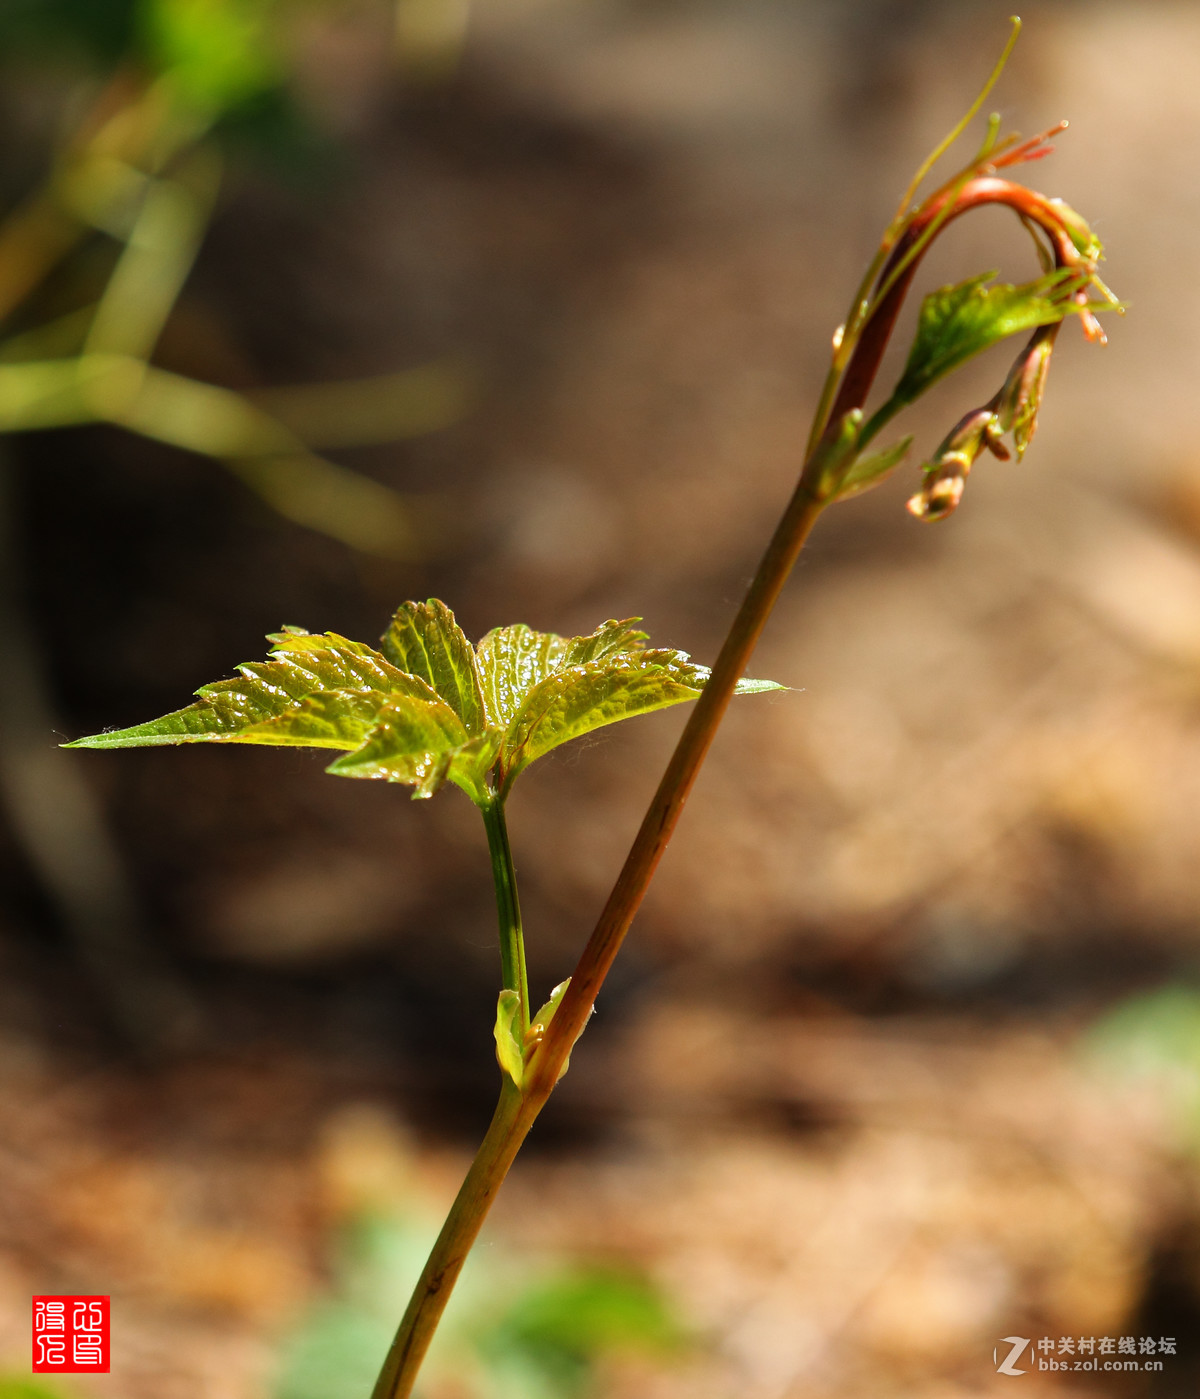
946, 474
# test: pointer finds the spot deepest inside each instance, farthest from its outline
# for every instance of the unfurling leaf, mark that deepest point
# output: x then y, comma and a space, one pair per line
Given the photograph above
546, 1014
425, 640
541, 1021
509, 1053
867, 471
423, 746
825, 469
1021, 397
945, 476
958, 322
429, 708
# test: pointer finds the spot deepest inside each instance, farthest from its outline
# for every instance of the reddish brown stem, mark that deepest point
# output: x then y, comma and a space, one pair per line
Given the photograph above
665, 809
519, 1108
789, 537
983, 189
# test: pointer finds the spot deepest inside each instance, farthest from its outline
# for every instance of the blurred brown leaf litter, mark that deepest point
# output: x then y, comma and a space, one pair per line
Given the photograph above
846, 1102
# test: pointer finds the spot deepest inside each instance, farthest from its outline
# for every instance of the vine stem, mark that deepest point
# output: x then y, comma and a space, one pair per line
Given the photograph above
667, 805
519, 1106
509, 1127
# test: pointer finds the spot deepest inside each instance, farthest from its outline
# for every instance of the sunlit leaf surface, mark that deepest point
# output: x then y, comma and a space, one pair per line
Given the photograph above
958, 322
423, 747
429, 708
275, 701
579, 698
425, 640
512, 660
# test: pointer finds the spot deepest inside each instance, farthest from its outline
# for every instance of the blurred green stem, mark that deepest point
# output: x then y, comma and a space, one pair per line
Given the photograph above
508, 907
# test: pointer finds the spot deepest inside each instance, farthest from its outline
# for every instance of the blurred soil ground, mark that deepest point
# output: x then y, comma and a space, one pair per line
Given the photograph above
837, 1098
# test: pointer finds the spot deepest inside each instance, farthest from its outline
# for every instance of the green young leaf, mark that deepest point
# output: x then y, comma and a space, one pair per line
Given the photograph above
512, 660
865, 472
423, 745
508, 1047
425, 640
541, 1021
315, 692
608, 639
579, 698
958, 322
544, 1016
826, 467
429, 710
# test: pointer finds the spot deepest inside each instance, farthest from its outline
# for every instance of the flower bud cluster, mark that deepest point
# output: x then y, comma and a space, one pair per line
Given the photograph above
1014, 410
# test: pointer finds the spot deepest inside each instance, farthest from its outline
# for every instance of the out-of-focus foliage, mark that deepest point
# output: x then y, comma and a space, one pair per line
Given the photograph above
220, 52
1152, 1041
16, 1387
99, 30
143, 169
510, 1332
562, 1324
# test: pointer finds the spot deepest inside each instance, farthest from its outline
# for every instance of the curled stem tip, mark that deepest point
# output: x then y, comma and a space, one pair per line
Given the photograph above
956, 323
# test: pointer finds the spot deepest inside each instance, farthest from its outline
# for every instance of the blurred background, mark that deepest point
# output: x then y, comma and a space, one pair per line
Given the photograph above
311, 306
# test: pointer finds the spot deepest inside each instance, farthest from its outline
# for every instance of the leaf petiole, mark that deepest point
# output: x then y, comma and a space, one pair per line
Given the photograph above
508, 907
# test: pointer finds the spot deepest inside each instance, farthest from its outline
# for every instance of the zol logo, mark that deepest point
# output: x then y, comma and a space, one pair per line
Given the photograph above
1008, 1366
70, 1335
